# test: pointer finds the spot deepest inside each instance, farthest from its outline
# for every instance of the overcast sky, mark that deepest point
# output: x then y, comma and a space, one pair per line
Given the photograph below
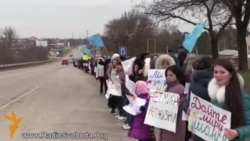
60, 18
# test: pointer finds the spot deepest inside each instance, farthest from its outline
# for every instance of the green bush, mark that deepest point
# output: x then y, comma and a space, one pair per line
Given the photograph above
246, 76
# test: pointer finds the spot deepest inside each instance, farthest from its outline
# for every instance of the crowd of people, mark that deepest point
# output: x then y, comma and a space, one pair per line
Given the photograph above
215, 81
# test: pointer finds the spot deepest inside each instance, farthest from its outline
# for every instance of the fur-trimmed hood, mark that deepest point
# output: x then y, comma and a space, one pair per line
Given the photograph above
164, 57
217, 92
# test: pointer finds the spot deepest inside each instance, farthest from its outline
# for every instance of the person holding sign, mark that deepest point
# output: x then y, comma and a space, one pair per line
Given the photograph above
226, 91
138, 129
201, 75
164, 61
176, 80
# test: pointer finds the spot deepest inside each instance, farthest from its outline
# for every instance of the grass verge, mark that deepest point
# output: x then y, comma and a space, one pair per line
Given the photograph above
246, 76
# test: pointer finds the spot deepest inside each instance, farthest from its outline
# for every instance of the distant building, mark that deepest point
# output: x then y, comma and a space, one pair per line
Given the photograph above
41, 43
33, 38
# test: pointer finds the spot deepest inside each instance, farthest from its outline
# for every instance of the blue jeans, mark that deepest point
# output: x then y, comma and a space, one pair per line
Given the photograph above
129, 118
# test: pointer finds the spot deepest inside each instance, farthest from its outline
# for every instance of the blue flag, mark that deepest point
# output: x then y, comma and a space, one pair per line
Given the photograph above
191, 38
96, 40
84, 49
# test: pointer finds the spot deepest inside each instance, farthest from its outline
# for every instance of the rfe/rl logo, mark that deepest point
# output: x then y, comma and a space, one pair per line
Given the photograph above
16, 121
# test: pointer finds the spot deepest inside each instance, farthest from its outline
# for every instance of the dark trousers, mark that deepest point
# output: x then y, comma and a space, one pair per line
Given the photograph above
120, 107
129, 117
143, 140
103, 83
188, 134
119, 104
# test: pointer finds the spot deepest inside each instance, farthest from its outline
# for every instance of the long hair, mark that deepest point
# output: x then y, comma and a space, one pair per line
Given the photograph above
178, 72
233, 97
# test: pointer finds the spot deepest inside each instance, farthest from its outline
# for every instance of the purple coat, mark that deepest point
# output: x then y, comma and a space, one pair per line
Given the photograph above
138, 129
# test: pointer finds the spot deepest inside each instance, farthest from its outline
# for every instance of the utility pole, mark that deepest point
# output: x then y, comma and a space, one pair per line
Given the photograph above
166, 48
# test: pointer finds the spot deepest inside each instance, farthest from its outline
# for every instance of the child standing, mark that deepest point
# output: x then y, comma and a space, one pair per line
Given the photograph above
138, 129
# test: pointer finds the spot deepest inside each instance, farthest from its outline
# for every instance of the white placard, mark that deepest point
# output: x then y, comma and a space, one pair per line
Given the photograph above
207, 120
162, 111
157, 80
130, 85
128, 65
134, 105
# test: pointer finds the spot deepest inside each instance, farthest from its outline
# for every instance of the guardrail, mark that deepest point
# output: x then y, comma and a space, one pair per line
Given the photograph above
6, 66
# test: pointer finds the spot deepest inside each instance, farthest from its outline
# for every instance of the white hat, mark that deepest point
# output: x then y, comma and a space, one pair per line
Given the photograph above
115, 56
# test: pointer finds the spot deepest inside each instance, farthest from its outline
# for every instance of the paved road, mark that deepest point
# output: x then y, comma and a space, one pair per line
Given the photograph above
54, 98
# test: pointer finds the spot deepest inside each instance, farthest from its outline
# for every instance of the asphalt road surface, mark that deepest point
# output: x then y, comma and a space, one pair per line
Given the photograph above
55, 101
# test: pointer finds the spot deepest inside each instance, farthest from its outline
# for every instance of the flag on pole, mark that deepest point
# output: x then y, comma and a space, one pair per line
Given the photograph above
85, 57
84, 49
96, 40
191, 38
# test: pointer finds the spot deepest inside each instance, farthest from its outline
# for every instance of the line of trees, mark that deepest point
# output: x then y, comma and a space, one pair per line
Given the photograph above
14, 50
216, 14
133, 29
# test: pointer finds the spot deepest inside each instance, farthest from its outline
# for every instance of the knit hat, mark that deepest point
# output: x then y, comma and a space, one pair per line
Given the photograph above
141, 87
114, 56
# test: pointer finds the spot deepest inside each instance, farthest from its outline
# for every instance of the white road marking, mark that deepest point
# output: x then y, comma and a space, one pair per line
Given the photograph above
19, 97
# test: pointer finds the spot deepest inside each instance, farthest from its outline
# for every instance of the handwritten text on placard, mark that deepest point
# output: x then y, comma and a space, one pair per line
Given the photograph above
158, 79
162, 111
208, 121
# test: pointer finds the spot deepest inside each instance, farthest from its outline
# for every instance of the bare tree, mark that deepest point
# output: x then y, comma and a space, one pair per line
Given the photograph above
214, 14
9, 36
169, 38
240, 10
131, 30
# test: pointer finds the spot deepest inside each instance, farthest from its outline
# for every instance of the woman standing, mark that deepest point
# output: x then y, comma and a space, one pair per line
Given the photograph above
101, 75
226, 91
201, 75
176, 81
162, 62
115, 89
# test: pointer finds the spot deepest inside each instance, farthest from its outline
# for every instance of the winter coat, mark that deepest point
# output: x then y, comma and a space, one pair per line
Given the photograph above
178, 88
175, 59
198, 86
124, 90
109, 70
115, 87
162, 58
217, 95
181, 57
138, 129
100, 70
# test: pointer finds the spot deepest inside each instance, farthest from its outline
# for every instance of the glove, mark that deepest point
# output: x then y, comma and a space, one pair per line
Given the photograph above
142, 108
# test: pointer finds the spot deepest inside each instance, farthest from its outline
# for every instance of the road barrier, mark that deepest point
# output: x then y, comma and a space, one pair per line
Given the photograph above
7, 66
